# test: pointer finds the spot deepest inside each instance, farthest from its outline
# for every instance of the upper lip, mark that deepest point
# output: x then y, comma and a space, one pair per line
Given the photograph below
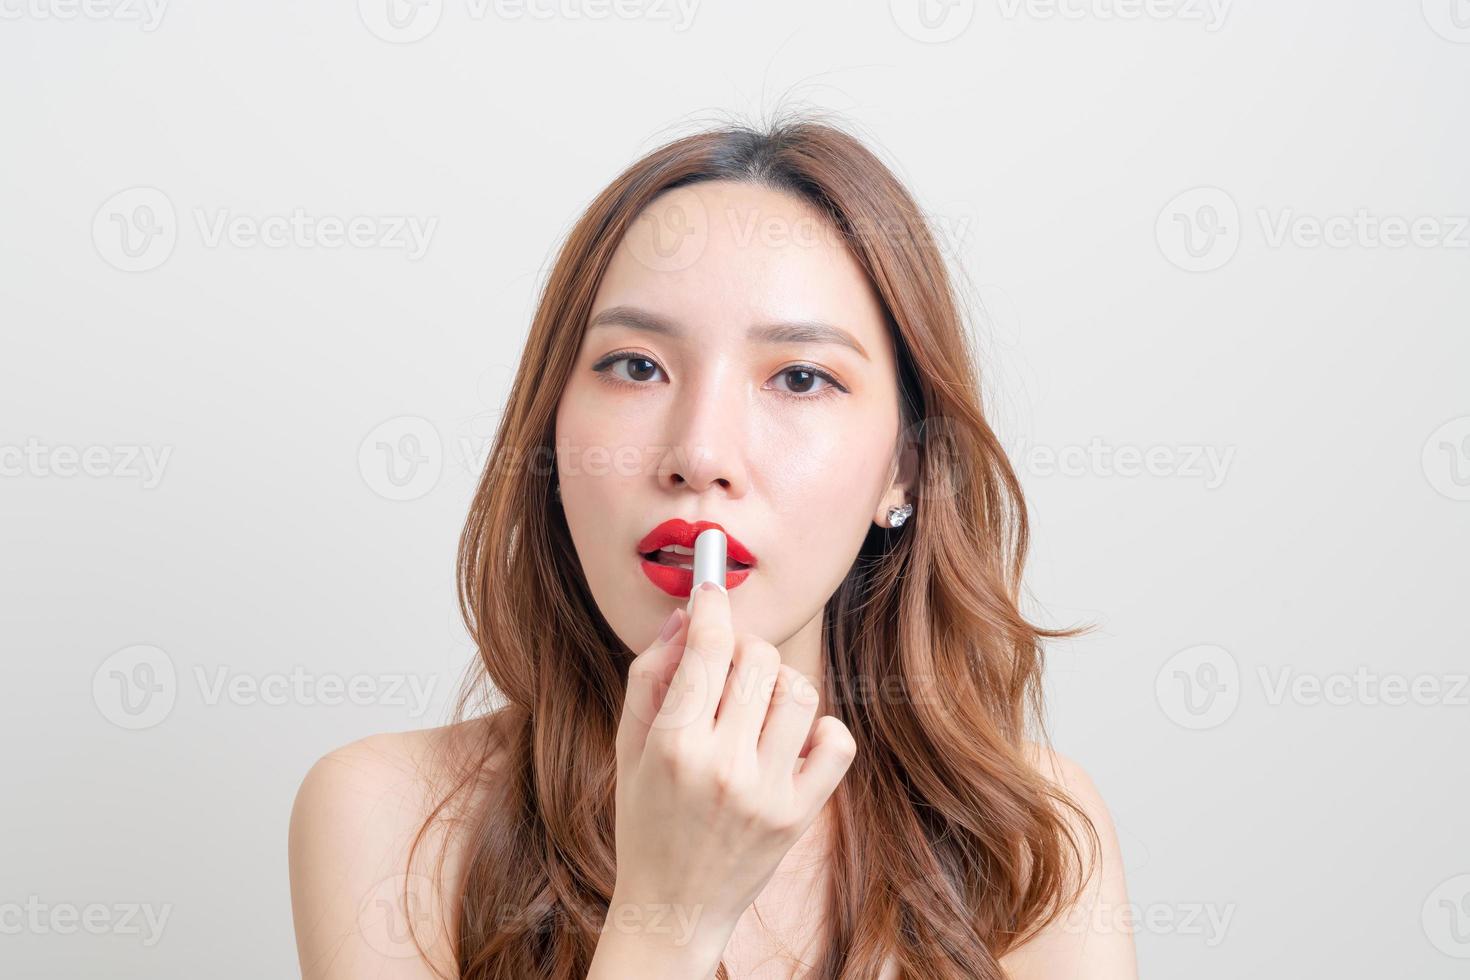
683, 533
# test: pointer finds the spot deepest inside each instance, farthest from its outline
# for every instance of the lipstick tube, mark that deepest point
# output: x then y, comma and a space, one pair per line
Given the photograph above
709, 561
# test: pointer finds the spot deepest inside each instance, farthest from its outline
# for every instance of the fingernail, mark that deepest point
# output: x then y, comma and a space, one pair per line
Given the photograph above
709, 584
671, 626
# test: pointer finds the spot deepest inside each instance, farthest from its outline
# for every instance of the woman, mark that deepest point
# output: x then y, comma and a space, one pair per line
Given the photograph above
825, 769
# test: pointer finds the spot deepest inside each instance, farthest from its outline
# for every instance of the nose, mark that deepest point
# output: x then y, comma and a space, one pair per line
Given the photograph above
708, 437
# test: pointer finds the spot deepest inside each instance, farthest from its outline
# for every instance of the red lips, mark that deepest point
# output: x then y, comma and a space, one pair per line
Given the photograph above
679, 581
683, 533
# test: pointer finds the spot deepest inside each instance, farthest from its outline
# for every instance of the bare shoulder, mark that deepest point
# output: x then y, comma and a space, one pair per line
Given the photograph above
357, 814
1070, 776
1092, 939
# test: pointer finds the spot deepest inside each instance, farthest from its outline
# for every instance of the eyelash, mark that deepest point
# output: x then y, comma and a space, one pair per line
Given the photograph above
834, 387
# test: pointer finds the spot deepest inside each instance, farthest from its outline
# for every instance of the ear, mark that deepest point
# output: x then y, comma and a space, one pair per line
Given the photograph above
902, 481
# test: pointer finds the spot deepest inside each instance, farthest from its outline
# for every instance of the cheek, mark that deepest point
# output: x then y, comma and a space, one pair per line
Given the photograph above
601, 449
825, 486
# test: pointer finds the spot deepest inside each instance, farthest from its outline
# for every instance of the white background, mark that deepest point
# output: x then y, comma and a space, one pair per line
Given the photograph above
1267, 831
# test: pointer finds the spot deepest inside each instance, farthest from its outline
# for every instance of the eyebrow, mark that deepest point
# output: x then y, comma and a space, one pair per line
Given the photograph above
785, 332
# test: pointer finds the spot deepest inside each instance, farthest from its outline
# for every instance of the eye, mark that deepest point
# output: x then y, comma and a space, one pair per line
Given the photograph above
630, 368
639, 367
808, 377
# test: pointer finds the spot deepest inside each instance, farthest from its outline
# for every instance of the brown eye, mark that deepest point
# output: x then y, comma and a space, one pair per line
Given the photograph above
640, 368
805, 380
803, 383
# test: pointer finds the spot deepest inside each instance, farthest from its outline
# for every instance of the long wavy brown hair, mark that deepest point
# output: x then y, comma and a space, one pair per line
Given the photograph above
948, 847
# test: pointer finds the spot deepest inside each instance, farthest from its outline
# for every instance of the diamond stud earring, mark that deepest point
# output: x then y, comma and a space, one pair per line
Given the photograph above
897, 515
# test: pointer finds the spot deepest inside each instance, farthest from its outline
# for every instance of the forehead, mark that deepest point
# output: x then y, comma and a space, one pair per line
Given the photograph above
719, 255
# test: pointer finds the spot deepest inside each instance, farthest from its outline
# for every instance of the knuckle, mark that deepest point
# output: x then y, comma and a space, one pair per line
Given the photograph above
751, 641
757, 654
786, 823
702, 640
674, 754
735, 787
724, 785
640, 670
757, 667
796, 688
838, 734
781, 821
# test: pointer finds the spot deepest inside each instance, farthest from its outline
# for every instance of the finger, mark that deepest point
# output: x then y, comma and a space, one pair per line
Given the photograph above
695, 690
648, 682
748, 689
788, 720
833, 749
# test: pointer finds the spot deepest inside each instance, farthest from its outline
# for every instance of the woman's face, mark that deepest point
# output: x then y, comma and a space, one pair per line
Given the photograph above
694, 398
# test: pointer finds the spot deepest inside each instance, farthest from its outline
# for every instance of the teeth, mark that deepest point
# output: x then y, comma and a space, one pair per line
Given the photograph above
683, 552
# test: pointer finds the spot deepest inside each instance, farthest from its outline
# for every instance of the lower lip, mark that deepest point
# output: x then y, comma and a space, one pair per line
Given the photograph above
679, 582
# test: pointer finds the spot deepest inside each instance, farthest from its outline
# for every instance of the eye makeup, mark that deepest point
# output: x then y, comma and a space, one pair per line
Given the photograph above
831, 386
